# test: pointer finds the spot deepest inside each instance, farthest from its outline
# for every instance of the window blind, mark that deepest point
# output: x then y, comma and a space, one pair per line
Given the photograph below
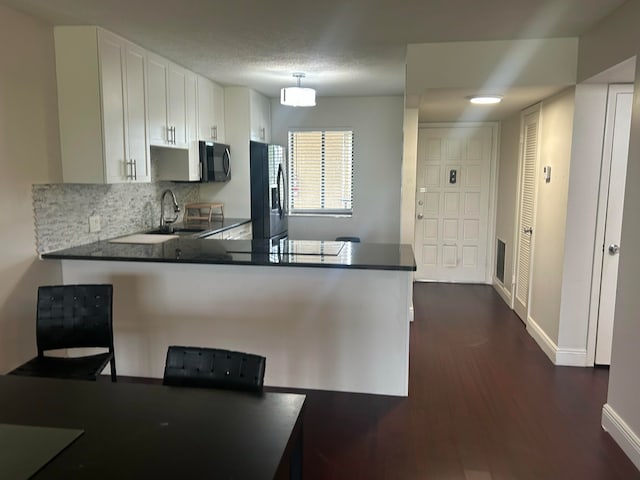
321, 172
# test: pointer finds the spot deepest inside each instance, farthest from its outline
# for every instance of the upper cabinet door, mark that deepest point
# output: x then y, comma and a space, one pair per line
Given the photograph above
111, 57
157, 86
178, 105
192, 126
260, 117
136, 119
168, 123
205, 110
210, 111
218, 113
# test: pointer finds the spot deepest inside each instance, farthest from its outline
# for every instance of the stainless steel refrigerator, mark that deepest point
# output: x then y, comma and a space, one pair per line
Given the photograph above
268, 191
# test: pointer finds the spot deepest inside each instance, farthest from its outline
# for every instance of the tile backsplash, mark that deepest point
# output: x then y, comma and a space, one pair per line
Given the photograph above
62, 211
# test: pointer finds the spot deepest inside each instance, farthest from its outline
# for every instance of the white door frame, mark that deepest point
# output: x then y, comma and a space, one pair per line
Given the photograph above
516, 231
598, 252
493, 185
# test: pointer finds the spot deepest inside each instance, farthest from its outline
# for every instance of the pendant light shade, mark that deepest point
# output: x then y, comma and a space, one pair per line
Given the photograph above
298, 96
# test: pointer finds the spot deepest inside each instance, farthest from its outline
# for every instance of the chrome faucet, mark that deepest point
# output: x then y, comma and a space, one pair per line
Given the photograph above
165, 222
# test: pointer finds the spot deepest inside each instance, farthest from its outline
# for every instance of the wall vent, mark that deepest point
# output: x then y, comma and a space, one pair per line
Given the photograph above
500, 261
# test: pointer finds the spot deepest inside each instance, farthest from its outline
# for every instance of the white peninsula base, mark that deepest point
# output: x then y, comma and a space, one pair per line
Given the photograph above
319, 328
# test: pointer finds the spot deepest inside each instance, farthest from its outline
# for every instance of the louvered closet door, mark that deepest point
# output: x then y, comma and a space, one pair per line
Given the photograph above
528, 168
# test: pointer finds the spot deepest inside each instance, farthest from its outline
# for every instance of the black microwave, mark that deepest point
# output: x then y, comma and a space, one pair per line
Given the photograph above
215, 162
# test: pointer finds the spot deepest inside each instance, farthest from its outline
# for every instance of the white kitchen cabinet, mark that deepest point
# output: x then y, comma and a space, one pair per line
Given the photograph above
101, 107
182, 164
260, 113
210, 110
168, 122
218, 113
157, 93
192, 126
136, 114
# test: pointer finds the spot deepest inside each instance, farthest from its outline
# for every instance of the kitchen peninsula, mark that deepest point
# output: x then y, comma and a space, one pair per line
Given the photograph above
327, 315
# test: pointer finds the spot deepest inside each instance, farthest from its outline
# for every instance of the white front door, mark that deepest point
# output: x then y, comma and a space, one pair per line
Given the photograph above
526, 212
452, 203
614, 166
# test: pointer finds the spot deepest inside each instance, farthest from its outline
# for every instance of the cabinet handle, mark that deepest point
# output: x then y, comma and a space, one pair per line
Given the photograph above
128, 170
135, 169
214, 132
262, 133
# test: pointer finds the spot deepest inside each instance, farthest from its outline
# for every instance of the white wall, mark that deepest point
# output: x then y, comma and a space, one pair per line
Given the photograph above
409, 171
377, 125
551, 211
582, 209
29, 153
624, 381
507, 193
612, 40
320, 328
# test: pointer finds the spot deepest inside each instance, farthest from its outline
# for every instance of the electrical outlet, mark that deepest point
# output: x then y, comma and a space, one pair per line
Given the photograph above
94, 223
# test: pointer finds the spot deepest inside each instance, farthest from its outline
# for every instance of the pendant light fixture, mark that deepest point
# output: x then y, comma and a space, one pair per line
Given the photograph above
298, 96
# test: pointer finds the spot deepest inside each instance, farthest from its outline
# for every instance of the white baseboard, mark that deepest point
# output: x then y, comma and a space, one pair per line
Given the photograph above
547, 345
572, 357
503, 292
626, 438
568, 357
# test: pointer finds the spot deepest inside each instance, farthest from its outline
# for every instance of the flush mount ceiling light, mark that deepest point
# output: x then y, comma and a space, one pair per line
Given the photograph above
485, 99
298, 96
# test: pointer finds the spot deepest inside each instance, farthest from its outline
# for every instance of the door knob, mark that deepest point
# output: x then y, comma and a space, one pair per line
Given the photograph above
614, 249
420, 216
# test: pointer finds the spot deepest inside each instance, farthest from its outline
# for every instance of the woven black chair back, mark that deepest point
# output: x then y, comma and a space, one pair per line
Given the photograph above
213, 368
74, 316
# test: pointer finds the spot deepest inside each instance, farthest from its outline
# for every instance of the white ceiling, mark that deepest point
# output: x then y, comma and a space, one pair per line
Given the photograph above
345, 47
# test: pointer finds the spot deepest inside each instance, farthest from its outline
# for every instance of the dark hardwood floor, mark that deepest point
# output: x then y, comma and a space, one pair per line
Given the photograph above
484, 403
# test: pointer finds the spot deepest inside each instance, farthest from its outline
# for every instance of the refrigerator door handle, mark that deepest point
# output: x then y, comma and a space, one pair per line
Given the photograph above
280, 177
226, 162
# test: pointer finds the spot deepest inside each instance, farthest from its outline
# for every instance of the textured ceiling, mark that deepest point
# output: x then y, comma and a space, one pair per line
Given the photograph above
345, 47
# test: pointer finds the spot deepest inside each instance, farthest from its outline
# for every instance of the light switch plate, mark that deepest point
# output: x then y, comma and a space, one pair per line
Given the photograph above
94, 223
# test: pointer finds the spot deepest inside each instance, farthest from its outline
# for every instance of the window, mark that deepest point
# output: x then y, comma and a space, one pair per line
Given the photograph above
321, 172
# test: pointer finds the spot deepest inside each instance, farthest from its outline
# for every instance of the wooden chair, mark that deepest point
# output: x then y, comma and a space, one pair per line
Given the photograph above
72, 316
213, 368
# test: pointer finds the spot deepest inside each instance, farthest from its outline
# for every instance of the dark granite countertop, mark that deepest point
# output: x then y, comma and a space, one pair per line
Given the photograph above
295, 253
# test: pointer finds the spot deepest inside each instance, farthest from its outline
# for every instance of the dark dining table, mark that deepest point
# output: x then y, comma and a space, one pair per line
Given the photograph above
139, 431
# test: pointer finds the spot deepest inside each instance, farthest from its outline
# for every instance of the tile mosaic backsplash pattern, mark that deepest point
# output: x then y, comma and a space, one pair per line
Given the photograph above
62, 210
